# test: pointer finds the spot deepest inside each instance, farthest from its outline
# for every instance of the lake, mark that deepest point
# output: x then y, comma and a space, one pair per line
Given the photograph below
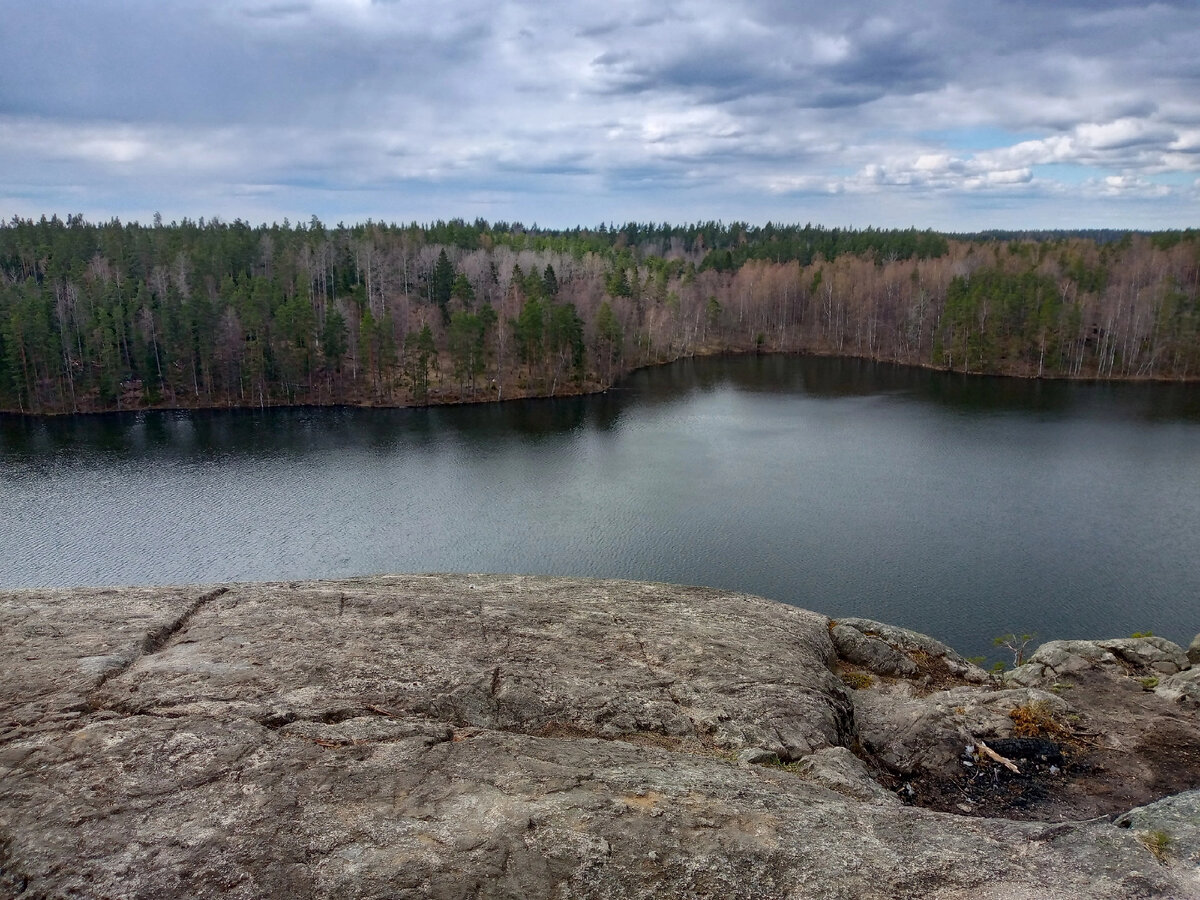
965, 507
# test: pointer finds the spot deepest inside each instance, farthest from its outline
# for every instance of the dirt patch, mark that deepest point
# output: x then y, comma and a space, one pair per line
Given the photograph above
933, 673
1172, 753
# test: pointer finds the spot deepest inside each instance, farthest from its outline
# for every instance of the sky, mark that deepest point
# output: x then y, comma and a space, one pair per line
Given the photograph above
956, 115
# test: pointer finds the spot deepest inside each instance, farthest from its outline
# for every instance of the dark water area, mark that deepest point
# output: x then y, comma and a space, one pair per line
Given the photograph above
964, 507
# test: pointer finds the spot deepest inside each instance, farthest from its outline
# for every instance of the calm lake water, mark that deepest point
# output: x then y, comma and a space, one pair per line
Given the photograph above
963, 507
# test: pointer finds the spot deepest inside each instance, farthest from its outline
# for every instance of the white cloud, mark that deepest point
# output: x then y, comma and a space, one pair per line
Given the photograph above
1122, 134
1007, 176
1127, 186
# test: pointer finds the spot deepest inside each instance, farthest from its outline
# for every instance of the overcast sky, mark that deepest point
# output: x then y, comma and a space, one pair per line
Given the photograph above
950, 114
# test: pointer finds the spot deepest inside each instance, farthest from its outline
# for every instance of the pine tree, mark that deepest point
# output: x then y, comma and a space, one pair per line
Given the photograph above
442, 287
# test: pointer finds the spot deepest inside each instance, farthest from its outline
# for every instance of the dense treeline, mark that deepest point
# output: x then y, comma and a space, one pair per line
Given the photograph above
117, 316
1098, 235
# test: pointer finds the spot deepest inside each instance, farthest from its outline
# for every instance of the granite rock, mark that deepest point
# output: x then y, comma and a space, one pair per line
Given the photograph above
1171, 825
474, 736
1182, 688
1144, 656
910, 650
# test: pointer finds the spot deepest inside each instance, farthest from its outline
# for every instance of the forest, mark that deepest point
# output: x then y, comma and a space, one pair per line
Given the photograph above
113, 316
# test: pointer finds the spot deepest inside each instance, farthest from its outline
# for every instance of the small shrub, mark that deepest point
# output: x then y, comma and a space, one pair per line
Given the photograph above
1016, 645
857, 680
1149, 683
1142, 634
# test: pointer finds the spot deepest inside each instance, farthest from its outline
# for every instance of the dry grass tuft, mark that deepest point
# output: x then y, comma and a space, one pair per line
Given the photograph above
1036, 720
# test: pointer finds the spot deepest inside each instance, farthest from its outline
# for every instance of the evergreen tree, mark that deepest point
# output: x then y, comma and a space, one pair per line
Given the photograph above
442, 285
462, 291
334, 338
466, 337
419, 354
608, 338
528, 329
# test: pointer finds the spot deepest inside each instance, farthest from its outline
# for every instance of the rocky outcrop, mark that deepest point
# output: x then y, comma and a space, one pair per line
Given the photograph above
1183, 688
1145, 656
889, 650
476, 736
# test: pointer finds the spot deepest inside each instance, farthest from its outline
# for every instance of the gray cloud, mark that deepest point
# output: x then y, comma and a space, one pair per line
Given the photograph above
1068, 113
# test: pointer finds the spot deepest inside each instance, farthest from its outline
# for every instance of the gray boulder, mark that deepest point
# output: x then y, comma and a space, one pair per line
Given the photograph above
1148, 654
870, 652
758, 756
1062, 660
899, 651
1182, 688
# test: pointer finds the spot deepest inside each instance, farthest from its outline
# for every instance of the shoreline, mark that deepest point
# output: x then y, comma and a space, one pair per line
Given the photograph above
592, 389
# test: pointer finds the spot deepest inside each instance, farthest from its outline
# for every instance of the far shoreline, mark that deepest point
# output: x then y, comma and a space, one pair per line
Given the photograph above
568, 391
